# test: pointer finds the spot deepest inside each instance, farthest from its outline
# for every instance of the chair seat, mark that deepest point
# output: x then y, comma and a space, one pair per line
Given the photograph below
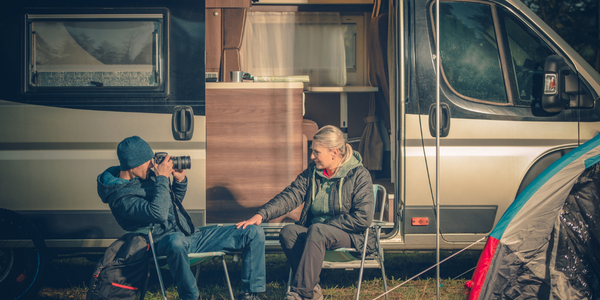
341, 255
196, 258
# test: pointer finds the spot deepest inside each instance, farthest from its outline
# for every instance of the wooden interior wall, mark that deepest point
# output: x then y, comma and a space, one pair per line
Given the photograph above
213, 39
225, 21
254, 149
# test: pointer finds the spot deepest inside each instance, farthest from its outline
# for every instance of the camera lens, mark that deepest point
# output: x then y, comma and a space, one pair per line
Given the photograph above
181, 162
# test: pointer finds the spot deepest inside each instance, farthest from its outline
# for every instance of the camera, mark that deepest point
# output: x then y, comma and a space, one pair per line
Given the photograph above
179, 162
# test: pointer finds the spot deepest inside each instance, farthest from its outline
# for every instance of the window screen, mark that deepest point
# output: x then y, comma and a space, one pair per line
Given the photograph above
95, 52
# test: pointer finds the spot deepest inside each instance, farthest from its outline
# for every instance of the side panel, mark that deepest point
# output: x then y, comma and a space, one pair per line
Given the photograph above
53, 156
54, 144
490, 144
482, 163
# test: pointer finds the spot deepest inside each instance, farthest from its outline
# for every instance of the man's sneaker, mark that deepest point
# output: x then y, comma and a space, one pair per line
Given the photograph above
317, 293
248, 296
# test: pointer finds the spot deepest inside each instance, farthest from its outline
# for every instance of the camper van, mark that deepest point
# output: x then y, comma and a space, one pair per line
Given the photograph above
77, 78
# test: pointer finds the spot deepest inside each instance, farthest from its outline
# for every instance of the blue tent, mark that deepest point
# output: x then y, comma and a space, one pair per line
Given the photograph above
547, 243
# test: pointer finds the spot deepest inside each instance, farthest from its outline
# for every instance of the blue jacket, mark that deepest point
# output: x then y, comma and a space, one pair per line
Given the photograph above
138, 203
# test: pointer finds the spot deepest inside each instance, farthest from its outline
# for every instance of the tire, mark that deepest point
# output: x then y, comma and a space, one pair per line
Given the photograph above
23, 257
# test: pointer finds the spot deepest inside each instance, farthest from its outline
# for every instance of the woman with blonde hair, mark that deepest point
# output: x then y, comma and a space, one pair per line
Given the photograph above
337, 193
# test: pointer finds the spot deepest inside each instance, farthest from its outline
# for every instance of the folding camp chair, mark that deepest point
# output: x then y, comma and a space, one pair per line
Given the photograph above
195, 260
343, 258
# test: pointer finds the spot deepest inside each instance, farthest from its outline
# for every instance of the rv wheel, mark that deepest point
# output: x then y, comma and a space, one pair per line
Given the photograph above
23, 257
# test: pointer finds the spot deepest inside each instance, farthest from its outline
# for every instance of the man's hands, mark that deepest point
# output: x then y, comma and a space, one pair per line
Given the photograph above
179, 175
255, 220
165, 168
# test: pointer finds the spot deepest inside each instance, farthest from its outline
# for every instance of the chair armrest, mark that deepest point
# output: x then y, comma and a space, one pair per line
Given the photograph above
206, 254
382, 224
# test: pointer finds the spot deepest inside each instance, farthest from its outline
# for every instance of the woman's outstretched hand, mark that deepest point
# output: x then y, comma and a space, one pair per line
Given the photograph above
255, 220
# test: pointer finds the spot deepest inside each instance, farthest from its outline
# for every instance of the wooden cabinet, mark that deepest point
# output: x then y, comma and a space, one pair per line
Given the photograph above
225, 21
254, 146
213, 39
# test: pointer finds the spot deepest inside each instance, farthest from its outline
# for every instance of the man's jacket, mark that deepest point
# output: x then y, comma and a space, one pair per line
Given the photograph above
138, 203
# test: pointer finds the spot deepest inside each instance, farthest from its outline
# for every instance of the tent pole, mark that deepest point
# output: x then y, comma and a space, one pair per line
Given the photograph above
437, 147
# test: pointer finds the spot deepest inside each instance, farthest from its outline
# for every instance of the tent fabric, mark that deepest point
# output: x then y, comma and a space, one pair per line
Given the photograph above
546, 245
578, 242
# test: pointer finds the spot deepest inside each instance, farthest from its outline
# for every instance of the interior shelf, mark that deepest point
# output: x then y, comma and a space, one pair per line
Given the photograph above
341, 89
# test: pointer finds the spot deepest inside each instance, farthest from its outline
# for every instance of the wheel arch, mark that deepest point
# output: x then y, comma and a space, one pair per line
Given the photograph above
540, 164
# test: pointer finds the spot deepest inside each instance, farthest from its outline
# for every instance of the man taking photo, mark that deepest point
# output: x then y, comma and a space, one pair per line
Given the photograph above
139, 196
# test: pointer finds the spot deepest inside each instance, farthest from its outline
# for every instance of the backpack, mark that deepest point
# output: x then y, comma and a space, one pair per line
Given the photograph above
123, 270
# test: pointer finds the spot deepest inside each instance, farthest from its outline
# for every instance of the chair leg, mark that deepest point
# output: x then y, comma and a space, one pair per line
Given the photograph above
227, 276
360, 278
290, 281
362, 264
162, 286
383, 276
197, 272
381, 264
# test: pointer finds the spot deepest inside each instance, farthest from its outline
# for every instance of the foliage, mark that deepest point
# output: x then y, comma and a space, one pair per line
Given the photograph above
576, 21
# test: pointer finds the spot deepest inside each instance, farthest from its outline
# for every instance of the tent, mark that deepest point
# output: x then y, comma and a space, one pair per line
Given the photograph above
546, 245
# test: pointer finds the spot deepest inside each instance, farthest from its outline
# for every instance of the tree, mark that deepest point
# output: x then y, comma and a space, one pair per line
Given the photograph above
576, 21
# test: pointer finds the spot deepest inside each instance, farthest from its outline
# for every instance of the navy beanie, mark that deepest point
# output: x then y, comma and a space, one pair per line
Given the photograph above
133, 152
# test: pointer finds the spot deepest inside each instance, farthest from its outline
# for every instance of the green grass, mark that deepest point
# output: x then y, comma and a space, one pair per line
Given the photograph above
69, 278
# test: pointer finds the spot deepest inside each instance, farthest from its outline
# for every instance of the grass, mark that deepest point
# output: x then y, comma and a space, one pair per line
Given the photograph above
69, 278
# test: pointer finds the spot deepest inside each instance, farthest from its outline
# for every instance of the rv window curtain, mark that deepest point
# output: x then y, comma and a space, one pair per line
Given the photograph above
295, 43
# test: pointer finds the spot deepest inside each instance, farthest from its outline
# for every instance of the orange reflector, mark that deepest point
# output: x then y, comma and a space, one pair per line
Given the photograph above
20, 278
420, 221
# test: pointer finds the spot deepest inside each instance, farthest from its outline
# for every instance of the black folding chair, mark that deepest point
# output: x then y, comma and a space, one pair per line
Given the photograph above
195, 260
346, 258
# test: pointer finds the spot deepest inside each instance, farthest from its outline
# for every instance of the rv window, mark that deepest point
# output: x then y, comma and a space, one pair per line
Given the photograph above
349, 31
99, 53
528, 54
469, 52
355, 48
328, 47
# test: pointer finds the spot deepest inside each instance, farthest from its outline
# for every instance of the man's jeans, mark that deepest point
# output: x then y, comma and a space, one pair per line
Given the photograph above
251, 241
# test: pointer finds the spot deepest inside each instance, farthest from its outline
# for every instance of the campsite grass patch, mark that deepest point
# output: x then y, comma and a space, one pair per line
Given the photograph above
69, 277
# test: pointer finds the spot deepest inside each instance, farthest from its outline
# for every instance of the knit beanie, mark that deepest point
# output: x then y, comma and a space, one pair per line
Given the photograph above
133, 152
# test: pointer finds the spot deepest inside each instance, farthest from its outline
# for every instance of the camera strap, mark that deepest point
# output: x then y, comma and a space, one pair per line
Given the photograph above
177, 207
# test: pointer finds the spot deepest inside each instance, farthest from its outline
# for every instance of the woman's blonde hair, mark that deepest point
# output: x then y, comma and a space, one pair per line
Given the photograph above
331, 138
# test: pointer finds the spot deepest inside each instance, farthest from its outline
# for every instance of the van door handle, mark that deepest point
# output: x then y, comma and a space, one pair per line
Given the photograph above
182, 123
444, 117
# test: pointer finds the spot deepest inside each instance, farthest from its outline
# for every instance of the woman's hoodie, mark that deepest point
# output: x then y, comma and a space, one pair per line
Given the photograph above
349, 200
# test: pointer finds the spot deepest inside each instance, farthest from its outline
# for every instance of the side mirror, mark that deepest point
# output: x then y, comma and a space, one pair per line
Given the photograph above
555, 72
563, 88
